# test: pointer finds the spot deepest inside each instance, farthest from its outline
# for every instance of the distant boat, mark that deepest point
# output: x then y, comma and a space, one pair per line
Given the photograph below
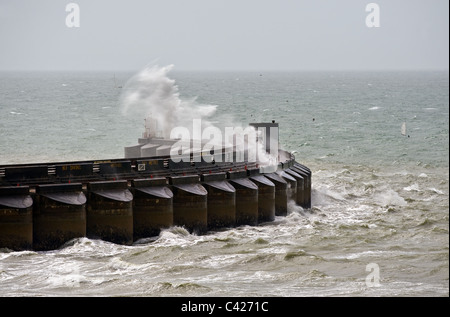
404, 128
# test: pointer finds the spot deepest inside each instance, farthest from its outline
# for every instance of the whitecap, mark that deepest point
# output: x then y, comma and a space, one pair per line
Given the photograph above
374, 108
67, 275
413, 187
175, 235
423, 175
370, 253
435, 190
326, 196
389, 198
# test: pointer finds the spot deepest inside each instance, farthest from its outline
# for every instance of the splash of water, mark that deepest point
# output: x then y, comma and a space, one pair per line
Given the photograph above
151, 93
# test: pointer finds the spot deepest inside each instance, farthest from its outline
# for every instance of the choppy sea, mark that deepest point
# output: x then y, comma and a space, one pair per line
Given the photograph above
379, 222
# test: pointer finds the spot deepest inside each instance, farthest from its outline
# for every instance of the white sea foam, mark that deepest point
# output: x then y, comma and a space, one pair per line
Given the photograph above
388, 198
435, 190
67, 274
413, 187
372, 253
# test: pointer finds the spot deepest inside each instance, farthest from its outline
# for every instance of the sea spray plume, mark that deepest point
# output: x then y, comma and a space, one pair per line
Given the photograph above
152, 93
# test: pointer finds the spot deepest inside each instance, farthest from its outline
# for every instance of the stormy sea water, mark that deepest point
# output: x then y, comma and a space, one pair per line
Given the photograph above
379, 222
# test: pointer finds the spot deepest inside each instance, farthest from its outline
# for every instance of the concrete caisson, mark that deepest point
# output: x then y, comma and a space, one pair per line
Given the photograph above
266, 197
246, 198
308, 181
59, 215
291, 185
16, 218
190, 207
221, 200
281, 195
300, 196
306, 186
152, 207
110, 212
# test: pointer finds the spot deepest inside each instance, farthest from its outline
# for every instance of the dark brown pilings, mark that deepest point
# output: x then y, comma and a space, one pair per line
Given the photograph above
16, 218
292, 185
152, 207
299, 200
307, 185
221, 200
110, 212
59, 215
190, 209
281, 197
266, 198
246, 198
309, 181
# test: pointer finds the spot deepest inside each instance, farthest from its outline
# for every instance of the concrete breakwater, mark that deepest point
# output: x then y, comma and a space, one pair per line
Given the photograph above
42, 206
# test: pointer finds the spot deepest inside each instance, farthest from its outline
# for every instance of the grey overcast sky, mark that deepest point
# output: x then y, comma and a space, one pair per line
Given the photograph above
254, 35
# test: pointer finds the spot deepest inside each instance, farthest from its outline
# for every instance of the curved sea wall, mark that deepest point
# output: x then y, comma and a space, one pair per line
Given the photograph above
42, 206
